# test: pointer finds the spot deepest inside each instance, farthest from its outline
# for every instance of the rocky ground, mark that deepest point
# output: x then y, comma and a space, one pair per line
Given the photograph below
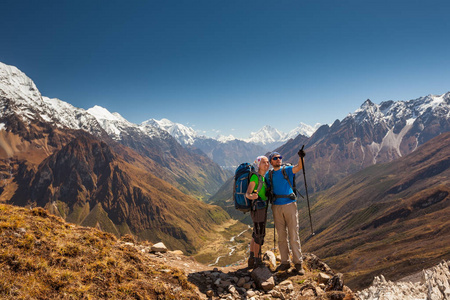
434, 284
318, 282
240, 282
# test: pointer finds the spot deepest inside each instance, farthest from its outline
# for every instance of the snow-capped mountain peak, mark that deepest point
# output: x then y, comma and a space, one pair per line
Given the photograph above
303, 129
15, 84
183, 134
113, 123
270, 136
266, 135
28, 103
102, 113
225, 138
67, 115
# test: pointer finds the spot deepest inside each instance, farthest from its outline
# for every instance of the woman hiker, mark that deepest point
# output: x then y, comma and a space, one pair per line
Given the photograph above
259, 209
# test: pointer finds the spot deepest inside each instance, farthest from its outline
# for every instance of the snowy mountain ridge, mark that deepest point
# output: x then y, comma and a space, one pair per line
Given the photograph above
183, 134
14, 84
391, 111
265, 136
30, 104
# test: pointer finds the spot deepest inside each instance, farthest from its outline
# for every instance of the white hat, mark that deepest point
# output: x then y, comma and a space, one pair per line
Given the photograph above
257, 162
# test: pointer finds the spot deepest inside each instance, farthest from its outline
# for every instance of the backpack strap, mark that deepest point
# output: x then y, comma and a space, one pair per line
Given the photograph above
258, 188
283, 170
260, 181
285, 175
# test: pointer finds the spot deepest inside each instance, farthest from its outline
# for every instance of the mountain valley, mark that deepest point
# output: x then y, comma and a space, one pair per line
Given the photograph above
378, 179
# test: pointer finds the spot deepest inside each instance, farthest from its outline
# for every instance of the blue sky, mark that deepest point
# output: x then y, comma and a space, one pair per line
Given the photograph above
230, 67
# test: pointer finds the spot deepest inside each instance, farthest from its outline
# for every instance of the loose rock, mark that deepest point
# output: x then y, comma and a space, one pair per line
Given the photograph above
263, 278
159, 247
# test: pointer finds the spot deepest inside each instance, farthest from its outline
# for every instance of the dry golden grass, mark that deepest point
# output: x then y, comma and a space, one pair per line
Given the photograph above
43, 257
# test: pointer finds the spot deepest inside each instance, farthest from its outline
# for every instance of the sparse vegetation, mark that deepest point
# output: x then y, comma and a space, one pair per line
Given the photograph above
43, 257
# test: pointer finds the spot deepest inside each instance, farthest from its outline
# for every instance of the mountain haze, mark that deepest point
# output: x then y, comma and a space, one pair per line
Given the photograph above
229, 151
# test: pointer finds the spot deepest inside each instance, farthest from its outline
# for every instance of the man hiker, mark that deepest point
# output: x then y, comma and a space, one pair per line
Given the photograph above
284, 207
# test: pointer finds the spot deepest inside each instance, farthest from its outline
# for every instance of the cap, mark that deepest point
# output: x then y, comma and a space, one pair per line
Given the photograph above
272, 155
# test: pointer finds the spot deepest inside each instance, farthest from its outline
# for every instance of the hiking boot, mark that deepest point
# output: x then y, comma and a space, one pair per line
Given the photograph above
299, 268
283, 267
258, 262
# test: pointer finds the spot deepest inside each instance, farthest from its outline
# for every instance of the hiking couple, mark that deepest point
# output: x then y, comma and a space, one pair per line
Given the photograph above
284, 208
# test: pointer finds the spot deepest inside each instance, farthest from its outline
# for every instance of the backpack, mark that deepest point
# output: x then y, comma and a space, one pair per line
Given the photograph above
242, 177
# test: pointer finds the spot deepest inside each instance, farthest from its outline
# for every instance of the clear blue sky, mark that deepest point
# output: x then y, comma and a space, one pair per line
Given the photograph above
230, 66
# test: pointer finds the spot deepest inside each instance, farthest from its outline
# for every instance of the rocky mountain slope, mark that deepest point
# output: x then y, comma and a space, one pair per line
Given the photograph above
372, 134
192, 172
434, 283
87, 183
389, 219
21, 101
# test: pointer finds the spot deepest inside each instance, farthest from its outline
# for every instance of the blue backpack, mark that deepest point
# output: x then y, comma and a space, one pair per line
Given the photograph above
242, 177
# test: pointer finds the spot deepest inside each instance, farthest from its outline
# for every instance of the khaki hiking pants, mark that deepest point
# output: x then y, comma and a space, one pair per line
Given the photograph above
286, 222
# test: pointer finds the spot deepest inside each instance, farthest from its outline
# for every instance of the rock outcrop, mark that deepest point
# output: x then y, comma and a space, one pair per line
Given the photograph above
434, 285
265, 283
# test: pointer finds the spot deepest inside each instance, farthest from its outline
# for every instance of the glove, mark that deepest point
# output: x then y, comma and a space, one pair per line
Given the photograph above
301, 153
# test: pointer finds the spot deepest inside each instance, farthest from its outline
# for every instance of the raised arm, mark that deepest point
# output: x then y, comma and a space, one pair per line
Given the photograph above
299, 165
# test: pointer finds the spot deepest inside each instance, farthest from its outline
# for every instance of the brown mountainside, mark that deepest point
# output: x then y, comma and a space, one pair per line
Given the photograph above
389, 219
87, 183
191, 172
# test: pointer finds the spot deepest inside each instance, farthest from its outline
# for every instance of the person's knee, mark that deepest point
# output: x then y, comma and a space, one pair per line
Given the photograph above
259, 239
259, 233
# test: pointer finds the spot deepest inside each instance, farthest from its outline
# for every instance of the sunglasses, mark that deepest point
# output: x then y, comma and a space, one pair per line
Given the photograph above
277, 158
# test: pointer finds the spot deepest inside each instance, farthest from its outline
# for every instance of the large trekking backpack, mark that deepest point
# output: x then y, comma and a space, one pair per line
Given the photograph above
242, 177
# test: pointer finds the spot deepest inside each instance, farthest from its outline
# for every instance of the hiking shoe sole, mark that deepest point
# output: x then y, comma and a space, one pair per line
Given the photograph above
283, 267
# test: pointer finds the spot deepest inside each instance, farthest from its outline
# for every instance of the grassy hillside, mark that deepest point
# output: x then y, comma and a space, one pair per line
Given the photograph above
42, 257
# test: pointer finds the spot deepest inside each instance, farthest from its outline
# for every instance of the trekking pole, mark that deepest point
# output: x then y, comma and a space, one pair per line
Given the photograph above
274, 235
306, 191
